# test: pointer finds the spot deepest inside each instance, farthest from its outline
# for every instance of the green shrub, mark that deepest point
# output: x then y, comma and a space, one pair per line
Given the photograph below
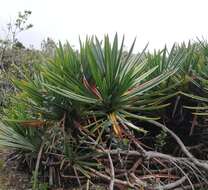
98, 93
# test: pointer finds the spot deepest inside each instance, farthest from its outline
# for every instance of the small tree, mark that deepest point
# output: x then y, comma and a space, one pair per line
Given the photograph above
12, 53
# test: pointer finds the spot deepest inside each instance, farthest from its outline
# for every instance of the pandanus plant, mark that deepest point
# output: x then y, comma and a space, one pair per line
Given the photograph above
93, 93
199, 95
99, 87
106, 85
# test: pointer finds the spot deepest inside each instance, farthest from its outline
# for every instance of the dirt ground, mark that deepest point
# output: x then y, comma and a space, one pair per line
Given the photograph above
10, 178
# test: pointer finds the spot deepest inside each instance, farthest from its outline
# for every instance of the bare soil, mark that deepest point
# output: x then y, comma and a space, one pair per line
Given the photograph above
10, 178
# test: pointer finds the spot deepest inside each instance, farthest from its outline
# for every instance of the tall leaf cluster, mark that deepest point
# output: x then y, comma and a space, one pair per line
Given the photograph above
104, 92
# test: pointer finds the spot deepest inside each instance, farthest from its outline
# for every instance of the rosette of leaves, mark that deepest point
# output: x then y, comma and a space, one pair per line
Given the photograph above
108, 89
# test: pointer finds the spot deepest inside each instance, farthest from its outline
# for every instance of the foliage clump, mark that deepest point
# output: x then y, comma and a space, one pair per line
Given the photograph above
100, 114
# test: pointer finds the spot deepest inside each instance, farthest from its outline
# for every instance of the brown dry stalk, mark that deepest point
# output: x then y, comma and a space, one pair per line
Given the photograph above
183, 147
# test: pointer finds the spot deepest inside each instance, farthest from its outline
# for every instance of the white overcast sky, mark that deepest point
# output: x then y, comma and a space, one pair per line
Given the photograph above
158, 22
